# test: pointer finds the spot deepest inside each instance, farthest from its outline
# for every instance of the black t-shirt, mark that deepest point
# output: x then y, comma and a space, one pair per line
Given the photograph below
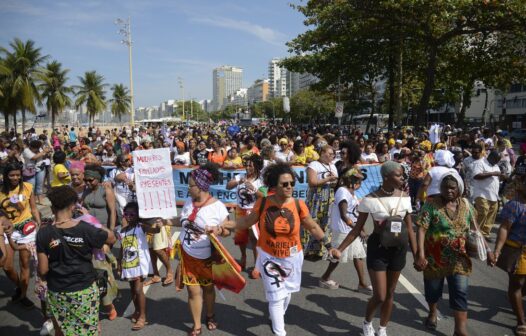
70, 269
201, 157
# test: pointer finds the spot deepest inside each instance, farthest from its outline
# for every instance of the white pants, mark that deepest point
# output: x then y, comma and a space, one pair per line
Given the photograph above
277, 311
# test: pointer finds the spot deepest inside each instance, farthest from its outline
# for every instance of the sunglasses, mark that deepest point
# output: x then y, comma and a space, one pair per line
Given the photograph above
288, 184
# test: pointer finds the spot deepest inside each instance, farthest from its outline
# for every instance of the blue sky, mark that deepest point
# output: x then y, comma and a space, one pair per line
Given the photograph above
171, 39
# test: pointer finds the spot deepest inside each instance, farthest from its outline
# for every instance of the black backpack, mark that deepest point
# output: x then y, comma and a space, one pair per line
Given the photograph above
393, 232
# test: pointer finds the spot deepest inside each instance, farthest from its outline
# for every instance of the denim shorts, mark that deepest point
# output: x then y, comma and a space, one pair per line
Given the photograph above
458, 291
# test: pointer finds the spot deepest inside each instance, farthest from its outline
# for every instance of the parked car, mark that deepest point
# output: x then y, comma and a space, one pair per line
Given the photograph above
518, 135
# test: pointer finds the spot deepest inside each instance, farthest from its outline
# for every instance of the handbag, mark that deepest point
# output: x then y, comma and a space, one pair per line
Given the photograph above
29, 171
509, 258
475, 243
393, 232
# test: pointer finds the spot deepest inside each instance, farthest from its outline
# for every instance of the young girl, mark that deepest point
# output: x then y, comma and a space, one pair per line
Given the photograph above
134, 262
343, 219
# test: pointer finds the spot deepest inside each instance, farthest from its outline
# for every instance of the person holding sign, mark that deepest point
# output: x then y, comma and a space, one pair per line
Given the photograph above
201, 212
387, 245
280, 254
248, 190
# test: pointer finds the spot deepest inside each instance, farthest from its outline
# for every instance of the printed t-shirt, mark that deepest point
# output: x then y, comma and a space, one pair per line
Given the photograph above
57, 182
323, 170
245, 197
194, 239
337, 224
70, 270
136, 261
21, 212
279, 227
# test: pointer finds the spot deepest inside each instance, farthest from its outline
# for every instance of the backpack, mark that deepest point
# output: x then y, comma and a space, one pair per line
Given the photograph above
393, 232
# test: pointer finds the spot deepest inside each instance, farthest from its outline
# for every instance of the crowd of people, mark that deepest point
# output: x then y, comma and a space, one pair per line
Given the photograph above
451, 184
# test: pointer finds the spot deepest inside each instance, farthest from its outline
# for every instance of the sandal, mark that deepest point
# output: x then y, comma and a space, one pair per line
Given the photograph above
211, 323
139, 325
194, 332
329, 284
135, 316
520, 330
153, 280
168, 280
430, 324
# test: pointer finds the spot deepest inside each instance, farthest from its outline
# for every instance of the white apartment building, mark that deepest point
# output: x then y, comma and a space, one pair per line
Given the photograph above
283, 82
238, 98
226, 80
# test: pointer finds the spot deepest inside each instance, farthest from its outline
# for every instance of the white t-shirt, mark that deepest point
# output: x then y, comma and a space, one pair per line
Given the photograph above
183, 159
194, 239
245, 197
27, 154
487, 188
284, 157
373, 206
436, 174
136, 261
337, 224
323, 170
371, 157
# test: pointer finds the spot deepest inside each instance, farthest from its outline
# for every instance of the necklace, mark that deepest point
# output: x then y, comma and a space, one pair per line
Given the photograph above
62, 222
388, 193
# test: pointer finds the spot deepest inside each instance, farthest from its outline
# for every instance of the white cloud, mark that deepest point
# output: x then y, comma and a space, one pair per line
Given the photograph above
266, 34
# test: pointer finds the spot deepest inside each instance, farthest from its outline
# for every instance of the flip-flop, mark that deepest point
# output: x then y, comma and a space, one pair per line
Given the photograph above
139, 325
211, 323
168, 280
151, 281
520, 330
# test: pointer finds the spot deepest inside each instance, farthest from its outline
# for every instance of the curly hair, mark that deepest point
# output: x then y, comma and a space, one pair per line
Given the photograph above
213, 169
62, 197
274, 171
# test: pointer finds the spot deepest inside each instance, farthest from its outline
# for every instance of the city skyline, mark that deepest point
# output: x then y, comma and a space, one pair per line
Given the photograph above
170, 40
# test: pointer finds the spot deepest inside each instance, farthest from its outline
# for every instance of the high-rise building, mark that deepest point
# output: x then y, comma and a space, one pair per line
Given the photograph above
258, 92
283, 82
226, 80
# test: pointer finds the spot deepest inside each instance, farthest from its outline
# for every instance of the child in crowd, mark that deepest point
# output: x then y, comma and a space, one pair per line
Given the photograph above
343, 217
134, 262
61, 175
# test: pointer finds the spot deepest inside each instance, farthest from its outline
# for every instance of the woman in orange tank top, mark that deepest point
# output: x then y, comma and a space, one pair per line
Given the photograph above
280, 255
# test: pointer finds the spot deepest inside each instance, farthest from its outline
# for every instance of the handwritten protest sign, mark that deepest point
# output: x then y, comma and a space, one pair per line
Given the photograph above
154, 183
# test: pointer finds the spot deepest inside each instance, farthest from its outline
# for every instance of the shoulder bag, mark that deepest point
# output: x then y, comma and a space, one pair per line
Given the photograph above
393, 232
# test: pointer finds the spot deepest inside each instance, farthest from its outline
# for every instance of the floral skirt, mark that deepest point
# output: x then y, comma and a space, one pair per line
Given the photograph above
318, 201
77, 313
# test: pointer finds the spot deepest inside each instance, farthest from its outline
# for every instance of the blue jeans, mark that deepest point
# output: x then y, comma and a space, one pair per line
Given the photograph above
38, 182
458, 291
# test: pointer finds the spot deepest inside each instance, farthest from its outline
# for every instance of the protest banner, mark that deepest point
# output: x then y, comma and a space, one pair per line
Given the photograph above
229, 197
154, 183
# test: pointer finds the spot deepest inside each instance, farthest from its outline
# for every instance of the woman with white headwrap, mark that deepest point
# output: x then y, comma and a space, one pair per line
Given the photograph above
443, 226
445, 161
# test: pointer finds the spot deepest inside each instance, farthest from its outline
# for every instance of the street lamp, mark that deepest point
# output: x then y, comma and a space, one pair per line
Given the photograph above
181, 86
125, 31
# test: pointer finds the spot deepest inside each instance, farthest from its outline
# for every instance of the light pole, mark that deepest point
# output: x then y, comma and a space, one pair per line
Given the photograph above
125, 31
181, 86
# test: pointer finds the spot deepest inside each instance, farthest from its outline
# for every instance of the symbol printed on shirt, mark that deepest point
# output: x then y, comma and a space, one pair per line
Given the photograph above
276, 272
192, 231
130, 252
245, 197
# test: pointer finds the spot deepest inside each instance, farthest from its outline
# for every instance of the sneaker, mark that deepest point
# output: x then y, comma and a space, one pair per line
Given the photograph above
47, 328
382, 331
368, 329
329, 284
365, 290
26, 303
17, 296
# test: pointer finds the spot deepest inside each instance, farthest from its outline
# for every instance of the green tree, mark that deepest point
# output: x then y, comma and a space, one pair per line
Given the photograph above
307, 105
54, 90
24, 61
91, 92
121, 101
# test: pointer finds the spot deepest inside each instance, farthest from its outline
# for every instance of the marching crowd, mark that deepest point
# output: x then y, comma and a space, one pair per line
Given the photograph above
441, 193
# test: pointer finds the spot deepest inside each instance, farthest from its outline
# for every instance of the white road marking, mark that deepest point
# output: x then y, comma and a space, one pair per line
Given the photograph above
416, 293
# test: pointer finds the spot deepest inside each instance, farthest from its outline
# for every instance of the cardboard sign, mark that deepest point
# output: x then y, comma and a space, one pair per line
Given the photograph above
154, 183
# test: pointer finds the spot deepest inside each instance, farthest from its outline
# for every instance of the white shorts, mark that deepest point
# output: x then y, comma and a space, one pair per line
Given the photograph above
353, 251
19, 238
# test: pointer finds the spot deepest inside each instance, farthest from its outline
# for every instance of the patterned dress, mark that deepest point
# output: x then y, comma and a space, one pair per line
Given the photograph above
445, 239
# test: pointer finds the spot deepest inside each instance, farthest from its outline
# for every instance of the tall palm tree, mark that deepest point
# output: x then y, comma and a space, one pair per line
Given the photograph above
6, 101
54, 89
91, 92
120, 103
24, 61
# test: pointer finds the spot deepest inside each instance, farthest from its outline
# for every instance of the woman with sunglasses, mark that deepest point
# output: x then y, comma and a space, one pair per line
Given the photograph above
322, 176
200, 212
17, 202
248, 190
99, 201
280, 254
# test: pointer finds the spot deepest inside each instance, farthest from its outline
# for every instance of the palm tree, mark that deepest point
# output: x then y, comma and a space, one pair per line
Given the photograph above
120, 103
54, 89
7, 105
91, 92
24, 63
